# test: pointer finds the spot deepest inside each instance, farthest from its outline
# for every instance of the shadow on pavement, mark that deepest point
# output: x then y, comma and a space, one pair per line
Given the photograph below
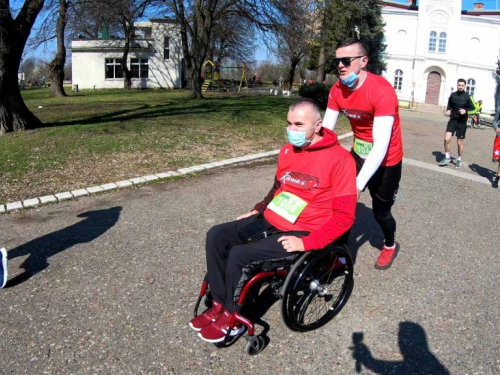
438, 155
365, 229
483, 172
39, 250
417, 358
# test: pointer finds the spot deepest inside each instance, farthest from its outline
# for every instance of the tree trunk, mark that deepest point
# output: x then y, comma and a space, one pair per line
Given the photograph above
320, 74
197, 54
127, 75
200, 41
14, 115
302, 72
188, 64
195, 84
294, 61
56, 66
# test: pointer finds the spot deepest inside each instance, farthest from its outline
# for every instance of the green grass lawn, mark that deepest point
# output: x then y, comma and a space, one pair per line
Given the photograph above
95, 137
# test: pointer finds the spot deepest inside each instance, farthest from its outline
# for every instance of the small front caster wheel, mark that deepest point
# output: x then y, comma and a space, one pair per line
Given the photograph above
255, 345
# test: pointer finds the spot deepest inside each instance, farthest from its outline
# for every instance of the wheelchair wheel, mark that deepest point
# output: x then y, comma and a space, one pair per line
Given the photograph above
255, 345
316, 288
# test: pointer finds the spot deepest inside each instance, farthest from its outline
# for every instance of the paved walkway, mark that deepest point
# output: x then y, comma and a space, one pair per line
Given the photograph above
107, 284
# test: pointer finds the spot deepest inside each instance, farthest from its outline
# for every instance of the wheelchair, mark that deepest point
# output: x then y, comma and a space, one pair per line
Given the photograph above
313, 286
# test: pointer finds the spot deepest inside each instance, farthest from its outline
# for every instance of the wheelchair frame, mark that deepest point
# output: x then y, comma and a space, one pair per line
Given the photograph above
298, 290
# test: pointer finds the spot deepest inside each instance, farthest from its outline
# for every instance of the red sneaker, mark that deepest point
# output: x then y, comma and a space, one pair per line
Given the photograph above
386, 257
216, 331
207, 317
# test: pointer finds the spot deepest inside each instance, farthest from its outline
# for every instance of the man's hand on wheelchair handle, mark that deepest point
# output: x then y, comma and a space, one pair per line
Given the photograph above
253, 212
291, 243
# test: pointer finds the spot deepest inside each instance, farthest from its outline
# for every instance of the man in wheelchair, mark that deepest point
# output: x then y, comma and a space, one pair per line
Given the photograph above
311, 204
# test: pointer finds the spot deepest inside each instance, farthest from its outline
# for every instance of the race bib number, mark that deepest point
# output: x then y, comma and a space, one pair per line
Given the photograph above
362, 148
288, 206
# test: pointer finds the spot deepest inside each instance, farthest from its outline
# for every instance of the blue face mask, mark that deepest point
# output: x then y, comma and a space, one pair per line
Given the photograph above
351, 79
298, 139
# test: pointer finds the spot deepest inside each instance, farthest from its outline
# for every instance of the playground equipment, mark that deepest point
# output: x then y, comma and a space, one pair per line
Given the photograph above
212, 77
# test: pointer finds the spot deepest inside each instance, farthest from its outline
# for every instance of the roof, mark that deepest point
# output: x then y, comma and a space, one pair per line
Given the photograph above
397, 5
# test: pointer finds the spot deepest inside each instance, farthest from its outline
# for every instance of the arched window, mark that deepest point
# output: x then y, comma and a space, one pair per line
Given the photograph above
432, 41
470, 86
398, 79
442, 43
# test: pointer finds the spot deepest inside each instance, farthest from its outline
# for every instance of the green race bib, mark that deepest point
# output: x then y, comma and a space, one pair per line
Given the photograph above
362, 148
288, 206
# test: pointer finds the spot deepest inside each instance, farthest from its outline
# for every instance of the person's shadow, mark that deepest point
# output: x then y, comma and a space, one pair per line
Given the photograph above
40, 249
440, 156
483, 172
365, 229
417, 358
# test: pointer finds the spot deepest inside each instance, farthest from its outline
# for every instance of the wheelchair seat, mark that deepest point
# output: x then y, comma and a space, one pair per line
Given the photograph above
314, 287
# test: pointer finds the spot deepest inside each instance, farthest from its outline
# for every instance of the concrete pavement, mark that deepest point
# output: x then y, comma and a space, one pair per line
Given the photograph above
111, 280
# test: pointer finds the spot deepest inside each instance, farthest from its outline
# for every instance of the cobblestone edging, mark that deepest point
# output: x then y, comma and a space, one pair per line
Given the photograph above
67, 195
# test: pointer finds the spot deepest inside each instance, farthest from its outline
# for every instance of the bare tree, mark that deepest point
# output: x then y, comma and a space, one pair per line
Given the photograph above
198, 18
126, 12
27, 67
292, 34
14, 32
227, 43
197, 21
89, 18
56, 66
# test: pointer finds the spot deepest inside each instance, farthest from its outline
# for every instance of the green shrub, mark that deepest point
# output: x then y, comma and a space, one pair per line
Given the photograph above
316, 91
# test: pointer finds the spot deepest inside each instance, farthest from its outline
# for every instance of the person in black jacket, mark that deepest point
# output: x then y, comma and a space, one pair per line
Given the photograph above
458, 105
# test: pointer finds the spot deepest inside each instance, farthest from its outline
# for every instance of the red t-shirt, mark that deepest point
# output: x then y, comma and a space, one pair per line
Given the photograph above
318, 175
375, 98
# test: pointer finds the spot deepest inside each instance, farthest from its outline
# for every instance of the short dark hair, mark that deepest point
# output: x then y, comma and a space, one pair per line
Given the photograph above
313, 104
349, 42
462, 80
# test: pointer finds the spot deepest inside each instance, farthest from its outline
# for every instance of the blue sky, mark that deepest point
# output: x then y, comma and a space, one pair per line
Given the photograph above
469, 4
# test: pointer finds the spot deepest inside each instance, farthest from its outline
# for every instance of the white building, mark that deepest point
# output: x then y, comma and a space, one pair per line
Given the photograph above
431, 46
155, 58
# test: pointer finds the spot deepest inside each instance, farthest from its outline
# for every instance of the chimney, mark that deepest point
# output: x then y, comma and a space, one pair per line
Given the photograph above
478, 6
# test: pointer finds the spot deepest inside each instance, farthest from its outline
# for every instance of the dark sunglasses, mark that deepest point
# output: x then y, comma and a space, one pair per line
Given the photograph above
346, 61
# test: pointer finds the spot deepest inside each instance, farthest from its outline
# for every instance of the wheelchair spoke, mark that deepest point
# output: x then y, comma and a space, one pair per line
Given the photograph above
322, 286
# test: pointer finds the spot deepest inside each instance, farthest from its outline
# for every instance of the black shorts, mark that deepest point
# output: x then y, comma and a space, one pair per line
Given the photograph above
456, 127
384, 184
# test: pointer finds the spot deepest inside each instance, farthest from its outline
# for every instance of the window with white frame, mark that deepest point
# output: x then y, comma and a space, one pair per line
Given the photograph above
139, 68
442, 43
113, 69
432, 41
470, 86
398, 79
166, 48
